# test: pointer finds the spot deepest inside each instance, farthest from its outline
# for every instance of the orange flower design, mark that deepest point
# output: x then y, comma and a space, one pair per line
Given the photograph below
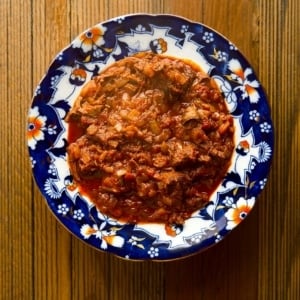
159, 46
248, 87
243, 147
106, 237
163, 45
91, 38
36, 126
238, 212
78, 76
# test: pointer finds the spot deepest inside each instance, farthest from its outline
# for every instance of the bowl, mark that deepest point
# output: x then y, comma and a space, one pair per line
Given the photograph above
88, 54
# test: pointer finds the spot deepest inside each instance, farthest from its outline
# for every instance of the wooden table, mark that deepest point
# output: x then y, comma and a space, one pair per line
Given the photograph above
41, 260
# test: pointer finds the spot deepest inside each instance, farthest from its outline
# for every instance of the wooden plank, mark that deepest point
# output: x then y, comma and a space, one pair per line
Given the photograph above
192, 9
136, 280
90, 272
279, 241
15, 209
119, 7
269, 237
5, 244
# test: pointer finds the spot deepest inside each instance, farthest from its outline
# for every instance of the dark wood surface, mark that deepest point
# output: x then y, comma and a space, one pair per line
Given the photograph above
39, 259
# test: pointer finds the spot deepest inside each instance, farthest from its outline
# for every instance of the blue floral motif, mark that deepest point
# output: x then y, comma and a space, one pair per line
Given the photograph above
153, 252
62, 209
262, 183
265, 127
78, 214
254, 115
208, 37
54, 80
184, 28
140, 28
228, 201
52, 170
51, 190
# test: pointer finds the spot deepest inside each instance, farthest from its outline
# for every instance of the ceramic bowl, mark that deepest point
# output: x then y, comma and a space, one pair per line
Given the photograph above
85, 57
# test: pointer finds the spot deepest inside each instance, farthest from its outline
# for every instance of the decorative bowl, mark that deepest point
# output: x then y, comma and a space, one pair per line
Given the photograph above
86, 56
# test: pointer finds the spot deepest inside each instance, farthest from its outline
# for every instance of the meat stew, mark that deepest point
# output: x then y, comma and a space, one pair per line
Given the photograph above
150, 138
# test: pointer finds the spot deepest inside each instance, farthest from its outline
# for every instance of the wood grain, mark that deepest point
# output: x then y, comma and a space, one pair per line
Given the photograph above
16, 216
279, 250
39, 259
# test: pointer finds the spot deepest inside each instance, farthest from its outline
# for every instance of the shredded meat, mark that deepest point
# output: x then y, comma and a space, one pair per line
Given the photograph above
150, 138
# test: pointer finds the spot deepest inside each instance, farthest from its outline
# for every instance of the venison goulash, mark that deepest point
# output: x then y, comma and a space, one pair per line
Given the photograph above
150, 138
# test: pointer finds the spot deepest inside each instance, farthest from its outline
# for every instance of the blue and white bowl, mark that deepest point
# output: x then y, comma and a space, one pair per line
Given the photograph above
85, 57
